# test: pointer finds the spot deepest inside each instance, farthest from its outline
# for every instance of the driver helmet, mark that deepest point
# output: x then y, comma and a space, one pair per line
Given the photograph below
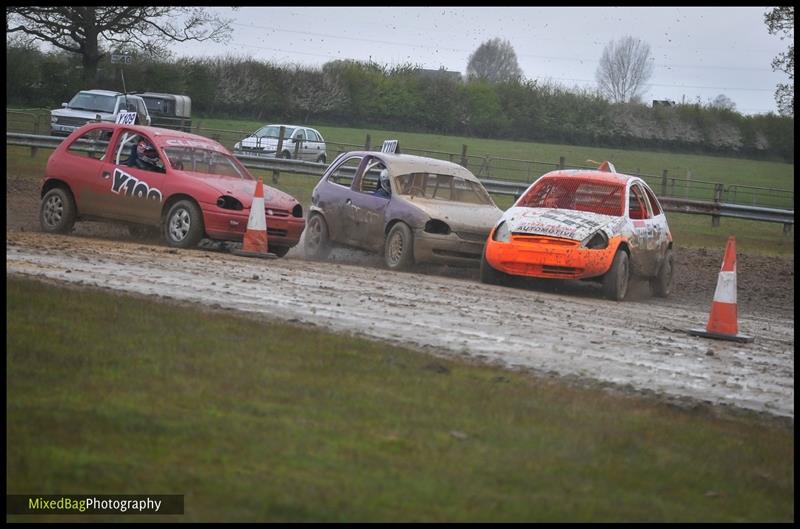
147, 153
384, 180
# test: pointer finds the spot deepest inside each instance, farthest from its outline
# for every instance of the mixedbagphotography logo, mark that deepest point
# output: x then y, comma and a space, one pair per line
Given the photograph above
94, 504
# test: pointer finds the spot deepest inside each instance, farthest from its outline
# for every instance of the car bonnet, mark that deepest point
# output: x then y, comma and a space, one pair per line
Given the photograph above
460, 216
565, 223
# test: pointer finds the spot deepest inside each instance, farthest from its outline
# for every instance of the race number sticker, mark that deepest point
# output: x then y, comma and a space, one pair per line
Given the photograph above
126, 118
128, 185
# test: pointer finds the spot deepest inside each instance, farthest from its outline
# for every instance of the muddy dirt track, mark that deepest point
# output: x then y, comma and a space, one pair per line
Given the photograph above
569, 331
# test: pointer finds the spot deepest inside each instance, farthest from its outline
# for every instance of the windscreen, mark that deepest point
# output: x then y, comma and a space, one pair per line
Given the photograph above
444, 187
205, 161
94, 102
271, 131
605, 198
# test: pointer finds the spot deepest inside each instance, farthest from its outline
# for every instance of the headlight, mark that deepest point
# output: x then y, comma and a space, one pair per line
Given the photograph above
501, 233
596, 241
237, 146
53, 119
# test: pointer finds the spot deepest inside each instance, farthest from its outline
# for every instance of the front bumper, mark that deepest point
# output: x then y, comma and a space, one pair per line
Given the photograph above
229, 225
549, 257
447, 249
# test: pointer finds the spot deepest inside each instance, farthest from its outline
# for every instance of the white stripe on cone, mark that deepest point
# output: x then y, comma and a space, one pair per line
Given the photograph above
258, 218
726, 287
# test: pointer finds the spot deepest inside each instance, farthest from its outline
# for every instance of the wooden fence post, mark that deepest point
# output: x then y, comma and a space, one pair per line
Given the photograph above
561, 162
275, 173
464, 155
664, 183
717, 199
367, 143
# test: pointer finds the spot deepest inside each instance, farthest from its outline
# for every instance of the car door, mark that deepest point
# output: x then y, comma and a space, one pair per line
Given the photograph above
644, 248
299, 144
316, 149
364, 213
135, 193
86, 170
661, 234
333, 195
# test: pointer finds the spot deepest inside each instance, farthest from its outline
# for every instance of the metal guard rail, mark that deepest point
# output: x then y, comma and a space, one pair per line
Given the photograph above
499, 187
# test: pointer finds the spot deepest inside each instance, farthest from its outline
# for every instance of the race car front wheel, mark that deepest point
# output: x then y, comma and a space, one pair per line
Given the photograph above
58, 211
399, 247
490, 275
615, 282
317, 244
184, 225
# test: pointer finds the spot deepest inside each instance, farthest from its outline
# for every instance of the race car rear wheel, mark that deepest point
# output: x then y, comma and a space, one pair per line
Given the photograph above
184, 225
399, 247
58, 211
662, 283
318, 244
615, 282
490, 275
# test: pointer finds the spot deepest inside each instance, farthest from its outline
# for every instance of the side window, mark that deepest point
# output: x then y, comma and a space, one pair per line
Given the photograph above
299, 135
93, 143
637, 206
371, 179
345, 171
653, 202
311, 135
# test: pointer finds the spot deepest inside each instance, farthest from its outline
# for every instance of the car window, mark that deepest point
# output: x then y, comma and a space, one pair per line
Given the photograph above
575, 193
637, 205
311, 135
654, 206
91, 143
205, 161
93, 102
300, 135
370, 181
126, 152
443, 187
344, 172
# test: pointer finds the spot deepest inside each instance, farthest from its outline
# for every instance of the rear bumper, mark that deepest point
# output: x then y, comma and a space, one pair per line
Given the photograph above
231, 226
553, 261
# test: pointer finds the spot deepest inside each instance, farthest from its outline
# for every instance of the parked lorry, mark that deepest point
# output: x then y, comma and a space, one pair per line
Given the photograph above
170, 111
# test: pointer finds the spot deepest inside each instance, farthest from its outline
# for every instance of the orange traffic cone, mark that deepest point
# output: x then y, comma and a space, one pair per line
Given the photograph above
723, 320
255, 238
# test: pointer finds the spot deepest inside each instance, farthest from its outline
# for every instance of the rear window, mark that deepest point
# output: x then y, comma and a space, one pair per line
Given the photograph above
577, 194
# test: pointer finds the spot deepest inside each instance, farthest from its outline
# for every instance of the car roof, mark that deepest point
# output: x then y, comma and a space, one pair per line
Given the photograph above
592, 174
288, 126
169, 137
102, 92
400, 164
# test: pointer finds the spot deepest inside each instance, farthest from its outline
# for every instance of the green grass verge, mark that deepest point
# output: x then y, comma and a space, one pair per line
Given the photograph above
693, 231
262, 421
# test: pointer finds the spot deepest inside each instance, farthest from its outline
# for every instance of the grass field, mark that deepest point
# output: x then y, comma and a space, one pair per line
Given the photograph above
688, 230
260, 421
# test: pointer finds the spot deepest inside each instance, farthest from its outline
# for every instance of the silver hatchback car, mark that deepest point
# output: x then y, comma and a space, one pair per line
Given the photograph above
302, 143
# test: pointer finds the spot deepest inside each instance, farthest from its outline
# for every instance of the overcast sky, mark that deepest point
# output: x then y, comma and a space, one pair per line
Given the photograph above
697, 52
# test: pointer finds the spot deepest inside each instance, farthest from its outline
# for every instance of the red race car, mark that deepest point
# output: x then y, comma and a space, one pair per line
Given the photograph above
188, 186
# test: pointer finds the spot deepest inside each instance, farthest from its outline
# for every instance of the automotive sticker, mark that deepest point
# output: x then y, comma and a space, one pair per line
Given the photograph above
133, 187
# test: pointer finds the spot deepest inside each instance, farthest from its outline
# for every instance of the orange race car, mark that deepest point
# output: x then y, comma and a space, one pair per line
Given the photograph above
584, 224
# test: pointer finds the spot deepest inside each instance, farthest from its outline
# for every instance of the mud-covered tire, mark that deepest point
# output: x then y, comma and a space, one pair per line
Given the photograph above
317, 237
280, 251
662, 284
321, 158
143, 232
284, 155
183, 226
58, 211
490, 275
616, 280
398, 248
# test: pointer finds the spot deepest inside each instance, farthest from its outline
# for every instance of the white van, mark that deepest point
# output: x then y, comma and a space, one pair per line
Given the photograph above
95, 105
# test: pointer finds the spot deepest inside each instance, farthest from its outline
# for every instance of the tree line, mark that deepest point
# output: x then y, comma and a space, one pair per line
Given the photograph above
358, 94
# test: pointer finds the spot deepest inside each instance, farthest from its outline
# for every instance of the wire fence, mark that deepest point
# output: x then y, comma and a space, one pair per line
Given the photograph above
675, 182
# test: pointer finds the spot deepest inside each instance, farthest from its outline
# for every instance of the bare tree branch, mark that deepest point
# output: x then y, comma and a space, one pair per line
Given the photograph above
625, 67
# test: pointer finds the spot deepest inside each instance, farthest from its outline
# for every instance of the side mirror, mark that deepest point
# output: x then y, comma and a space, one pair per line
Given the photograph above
64, 105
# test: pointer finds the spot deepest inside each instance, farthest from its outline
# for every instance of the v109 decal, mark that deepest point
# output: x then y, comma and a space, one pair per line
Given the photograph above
133, 187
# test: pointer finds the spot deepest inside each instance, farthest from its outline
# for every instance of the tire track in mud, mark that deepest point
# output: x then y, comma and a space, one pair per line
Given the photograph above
641, 345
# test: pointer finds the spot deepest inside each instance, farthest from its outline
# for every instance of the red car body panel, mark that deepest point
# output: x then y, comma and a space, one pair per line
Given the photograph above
107, 190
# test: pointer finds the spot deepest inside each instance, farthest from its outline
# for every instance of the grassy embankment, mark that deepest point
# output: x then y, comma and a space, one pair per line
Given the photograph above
688, 230
262, 421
